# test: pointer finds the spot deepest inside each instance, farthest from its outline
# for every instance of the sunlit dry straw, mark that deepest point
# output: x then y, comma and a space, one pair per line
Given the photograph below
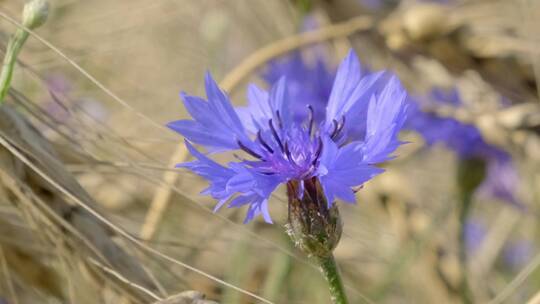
17, 153
535, 299
124, 280
7, 275
186, 298
162, 196
81, 70
531, 13
517, 281
280, 47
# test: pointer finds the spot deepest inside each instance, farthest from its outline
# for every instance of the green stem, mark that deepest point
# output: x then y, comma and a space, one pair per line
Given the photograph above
471, 173
331, 273
14, 46
464, 287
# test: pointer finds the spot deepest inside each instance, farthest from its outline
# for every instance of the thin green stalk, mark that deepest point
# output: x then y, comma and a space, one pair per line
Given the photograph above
331, 273
464, 287
14, 46
471, 172
34, 15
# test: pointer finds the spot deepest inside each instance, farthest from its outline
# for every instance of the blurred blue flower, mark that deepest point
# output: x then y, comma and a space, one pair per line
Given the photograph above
58, 83
285, 147
467, 142
305, 83
475, 233
517, 253
502, 181
62, 106
385, 4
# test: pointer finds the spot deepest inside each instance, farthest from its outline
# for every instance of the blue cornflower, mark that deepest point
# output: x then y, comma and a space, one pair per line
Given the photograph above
517, 253
502, 180
467, 142
464, 139
284, 148
475, 234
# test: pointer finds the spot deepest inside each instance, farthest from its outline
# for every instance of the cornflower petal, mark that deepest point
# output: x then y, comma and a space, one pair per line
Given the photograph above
217, 175
386, 115
258, 110
347, 78
264, 107
215, 124
342, 169
220, 103
193, 131
350, 94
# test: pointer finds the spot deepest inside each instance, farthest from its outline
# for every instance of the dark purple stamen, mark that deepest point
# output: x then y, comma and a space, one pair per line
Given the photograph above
265, 145
318, 152
334, 132
356, 189
280, 122
242, 159
310, 119
341, 125
338, 127
276, 136
248, 150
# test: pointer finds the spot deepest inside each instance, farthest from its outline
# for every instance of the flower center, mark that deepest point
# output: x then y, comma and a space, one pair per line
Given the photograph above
291, 150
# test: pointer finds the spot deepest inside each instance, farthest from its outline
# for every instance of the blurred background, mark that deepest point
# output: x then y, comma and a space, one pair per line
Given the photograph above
93, 100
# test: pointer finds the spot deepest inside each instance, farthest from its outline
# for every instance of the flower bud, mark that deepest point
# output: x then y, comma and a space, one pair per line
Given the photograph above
314, 228
35, 13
